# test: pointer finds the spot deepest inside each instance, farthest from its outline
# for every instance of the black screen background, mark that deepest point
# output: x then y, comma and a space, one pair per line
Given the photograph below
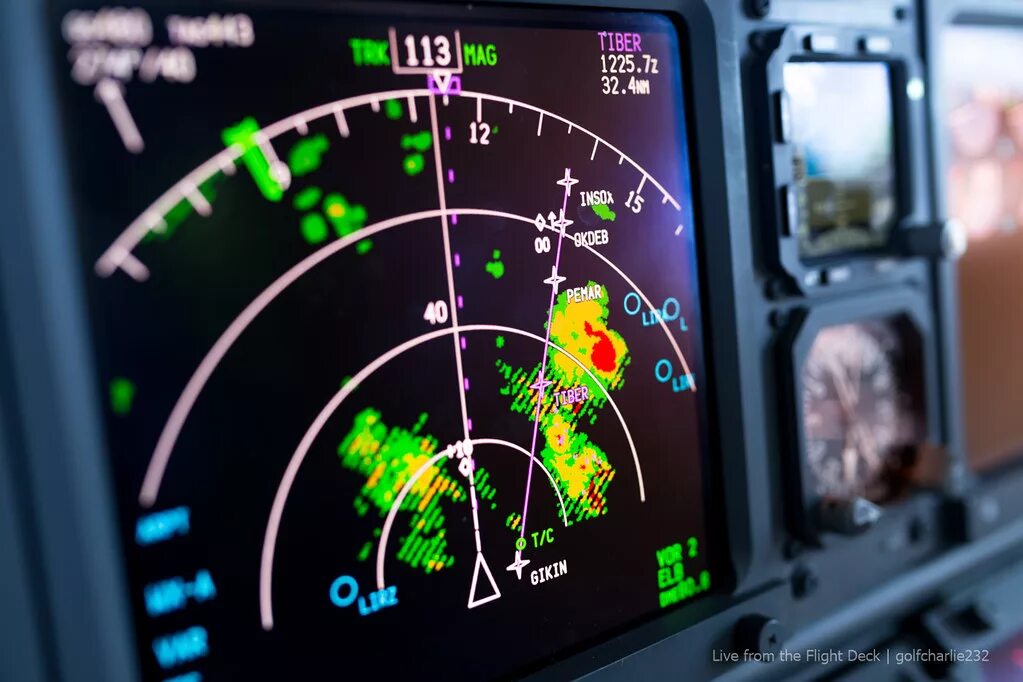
230, 456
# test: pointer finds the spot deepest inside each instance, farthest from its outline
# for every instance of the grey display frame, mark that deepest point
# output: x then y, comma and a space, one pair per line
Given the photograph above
856, 268
879, 306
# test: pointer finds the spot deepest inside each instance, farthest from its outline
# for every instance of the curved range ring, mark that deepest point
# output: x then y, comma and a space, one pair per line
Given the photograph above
176, 421
284, 489
119, 253
396, 505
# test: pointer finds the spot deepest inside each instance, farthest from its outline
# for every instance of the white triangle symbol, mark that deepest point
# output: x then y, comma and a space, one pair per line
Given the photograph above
443, 81
473, 600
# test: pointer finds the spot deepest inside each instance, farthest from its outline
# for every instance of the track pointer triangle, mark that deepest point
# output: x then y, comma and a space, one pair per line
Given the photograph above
488, 589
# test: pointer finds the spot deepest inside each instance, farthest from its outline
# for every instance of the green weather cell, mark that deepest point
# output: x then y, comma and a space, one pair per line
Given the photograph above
273, 178
313, 224
307, 199
604, 212
344, 216
314, 228
200, 200
420, 142
363, 554
335, 212
393, 109
321, 214
495, 267
122, 395
271, 175
413, 164
580, 466
416, 143
387, 458
580, 326
306, 156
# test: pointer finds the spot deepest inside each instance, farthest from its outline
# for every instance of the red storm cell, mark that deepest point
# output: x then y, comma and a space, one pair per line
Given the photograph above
603, 355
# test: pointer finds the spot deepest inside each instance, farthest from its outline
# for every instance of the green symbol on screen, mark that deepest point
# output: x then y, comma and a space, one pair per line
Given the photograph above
393, 109
603, 212
338, 213
307, 198
122, 395
314, 228
416, 143
496, 267
307, 155
420, 142
345, 217
271, 180
413, 164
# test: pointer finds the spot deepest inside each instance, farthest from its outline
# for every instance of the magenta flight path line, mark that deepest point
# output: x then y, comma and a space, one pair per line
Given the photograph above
541, 382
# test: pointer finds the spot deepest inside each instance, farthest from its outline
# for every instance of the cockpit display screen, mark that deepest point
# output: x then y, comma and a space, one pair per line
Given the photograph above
396, 324
844, 159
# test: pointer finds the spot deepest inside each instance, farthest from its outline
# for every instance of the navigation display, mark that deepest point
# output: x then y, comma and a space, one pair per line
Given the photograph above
397, 331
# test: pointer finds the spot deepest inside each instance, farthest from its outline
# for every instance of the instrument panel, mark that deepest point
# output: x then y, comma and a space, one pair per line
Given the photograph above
514, 340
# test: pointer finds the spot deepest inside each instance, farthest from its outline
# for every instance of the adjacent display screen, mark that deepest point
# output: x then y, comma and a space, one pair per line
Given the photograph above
844, 158
862, 405
983, 99
1006, 661
397, 332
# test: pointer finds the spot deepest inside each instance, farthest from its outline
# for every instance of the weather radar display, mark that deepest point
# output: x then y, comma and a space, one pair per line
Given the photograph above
397, 329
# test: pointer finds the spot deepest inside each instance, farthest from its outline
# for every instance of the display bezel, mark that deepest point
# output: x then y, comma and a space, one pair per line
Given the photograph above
812, 275
796, 343
713, 269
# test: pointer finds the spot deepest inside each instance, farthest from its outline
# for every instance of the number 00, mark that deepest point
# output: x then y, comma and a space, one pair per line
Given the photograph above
542, 244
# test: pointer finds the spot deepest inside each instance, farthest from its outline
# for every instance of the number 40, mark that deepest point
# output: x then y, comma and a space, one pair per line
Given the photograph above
436, 312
